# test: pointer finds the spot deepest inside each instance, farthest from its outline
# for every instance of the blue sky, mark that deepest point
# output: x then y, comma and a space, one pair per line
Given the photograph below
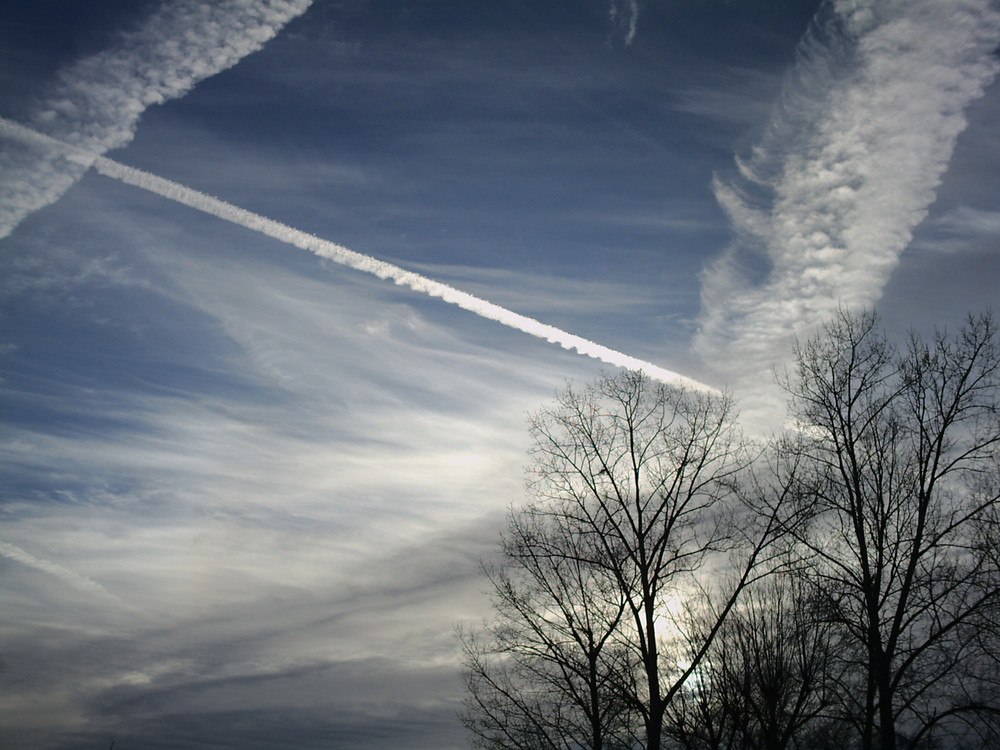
246, 487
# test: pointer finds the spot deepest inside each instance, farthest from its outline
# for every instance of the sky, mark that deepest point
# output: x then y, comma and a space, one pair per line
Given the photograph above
282, 279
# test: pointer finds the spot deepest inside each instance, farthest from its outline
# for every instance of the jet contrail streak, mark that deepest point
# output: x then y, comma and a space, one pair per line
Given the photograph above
96, 102
74, 579
825, 204
340, 254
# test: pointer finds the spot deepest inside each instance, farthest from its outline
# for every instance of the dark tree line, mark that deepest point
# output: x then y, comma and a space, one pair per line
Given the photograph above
672, 584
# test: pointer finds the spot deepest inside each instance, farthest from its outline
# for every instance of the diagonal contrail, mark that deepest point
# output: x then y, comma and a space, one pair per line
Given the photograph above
827, 201
340, 254
71, 577
96, 102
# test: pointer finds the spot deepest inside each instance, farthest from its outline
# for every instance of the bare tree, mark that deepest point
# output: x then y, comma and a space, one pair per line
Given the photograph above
547, 675
895, 491
771, 679
642, 482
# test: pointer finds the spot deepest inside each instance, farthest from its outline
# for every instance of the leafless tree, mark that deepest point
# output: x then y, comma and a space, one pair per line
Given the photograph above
641, 480
546, 676
892, 496
770, 681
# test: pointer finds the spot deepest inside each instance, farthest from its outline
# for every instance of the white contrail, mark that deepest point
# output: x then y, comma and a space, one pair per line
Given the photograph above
96, 102
826, 203
340, 254
74, 579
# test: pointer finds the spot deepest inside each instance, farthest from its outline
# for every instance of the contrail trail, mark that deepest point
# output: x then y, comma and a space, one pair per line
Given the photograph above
74, 579
340, 254
96, 102
828, 200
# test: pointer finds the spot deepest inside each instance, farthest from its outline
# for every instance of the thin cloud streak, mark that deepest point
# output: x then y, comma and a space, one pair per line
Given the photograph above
96, 103
624, 15
77, 581
344, 256
826, 203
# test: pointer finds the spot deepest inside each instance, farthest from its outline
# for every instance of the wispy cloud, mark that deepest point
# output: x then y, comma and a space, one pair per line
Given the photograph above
827, 201
970, 221
963, 230
95, 104
624, 15
301, 554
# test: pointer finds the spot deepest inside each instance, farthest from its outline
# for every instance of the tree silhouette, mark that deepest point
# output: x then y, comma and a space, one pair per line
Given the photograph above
896, 481
670, 584
634, 488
